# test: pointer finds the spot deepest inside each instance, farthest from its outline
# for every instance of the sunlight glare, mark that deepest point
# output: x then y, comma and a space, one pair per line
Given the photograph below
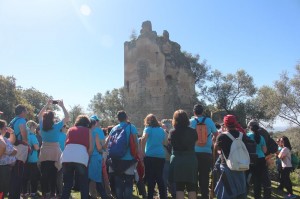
85, 10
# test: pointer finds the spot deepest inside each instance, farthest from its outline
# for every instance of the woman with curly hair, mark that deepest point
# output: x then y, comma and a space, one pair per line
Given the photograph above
153, 144
50, 150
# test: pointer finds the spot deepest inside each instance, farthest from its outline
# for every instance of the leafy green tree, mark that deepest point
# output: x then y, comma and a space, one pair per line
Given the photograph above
199, 69
282, 100
106, 106
12, 96
227, 91
35, 98
8, 98
74, 112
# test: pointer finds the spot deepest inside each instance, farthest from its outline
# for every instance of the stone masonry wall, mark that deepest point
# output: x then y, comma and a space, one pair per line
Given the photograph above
157, 77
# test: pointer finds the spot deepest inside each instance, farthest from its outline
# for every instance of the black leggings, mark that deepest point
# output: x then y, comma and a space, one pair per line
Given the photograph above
48, 178
154, 174
286, 179
32, 174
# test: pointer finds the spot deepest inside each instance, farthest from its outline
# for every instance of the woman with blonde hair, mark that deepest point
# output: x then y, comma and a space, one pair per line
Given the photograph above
184, 164
153, 144
31, 171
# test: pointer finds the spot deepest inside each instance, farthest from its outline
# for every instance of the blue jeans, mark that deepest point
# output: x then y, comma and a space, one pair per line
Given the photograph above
123, 186
68, 175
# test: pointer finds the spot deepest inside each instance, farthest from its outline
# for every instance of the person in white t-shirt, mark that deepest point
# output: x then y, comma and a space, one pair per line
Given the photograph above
285, 156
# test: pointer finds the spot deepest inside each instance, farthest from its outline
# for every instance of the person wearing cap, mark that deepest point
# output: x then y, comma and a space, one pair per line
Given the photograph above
124, 179
95, 164
204, 153
232, 184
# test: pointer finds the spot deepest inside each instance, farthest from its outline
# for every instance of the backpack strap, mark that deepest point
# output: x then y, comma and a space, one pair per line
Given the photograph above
231, 137
12, 124
202, 121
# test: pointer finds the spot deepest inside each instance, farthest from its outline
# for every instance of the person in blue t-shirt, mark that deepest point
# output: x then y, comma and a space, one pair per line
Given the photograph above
17, 172
95, 164
153, 140
123, 180
50, 151
260, 169
31, 172
204, 153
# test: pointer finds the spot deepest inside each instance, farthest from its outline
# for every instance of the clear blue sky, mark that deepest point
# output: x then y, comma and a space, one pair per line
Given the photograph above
73, 49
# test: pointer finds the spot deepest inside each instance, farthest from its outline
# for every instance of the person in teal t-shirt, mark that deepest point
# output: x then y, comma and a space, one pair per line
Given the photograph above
50, 150
152, 142
31, 172
95, 164
260, 169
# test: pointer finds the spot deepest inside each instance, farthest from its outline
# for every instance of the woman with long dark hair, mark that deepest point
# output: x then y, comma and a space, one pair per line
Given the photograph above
184, 165
286, 163
50, 150
154, 160
260, 169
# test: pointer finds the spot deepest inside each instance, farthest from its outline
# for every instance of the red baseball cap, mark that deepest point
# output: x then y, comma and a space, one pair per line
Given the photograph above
230, 121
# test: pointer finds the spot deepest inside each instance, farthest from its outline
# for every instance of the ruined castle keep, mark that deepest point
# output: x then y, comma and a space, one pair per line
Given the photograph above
157, 77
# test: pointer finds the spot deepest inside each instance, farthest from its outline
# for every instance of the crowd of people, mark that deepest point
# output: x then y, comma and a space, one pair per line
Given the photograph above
54, 158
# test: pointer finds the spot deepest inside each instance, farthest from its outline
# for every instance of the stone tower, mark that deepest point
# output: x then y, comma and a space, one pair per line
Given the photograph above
157, 77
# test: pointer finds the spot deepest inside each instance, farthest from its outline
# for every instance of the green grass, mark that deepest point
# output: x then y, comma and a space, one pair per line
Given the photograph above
275, 193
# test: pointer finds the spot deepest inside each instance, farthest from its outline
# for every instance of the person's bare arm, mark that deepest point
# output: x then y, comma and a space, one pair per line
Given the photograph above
12, 136
143, 142
36, 147
40, 115
66, 114
2, 146
264, 149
